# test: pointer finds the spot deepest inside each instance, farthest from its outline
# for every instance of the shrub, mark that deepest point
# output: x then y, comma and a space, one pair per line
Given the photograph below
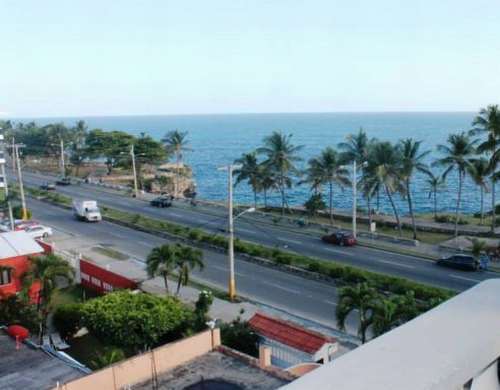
238, 335
314, 204
14, 311
195, 234
283, 258
67, 319
17, 212
135, 320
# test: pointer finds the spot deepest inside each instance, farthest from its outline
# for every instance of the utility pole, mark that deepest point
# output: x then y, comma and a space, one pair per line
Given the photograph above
4, 182
63, 165
230, 248
354, 197
132, 153
20, 180
12, 157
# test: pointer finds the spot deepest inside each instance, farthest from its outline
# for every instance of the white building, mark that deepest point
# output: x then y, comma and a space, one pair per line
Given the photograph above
454, 346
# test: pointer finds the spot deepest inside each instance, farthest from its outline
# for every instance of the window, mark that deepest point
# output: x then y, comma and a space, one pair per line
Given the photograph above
5, 277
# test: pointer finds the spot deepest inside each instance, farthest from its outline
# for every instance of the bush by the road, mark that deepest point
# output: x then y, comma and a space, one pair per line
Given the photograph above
238, 335
68, 319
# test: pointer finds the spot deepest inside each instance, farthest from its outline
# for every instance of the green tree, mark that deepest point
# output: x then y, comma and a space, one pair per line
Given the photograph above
487, 123
111, 145
281, 156
457, 155
47, 271
412, 160
384, 170
188, 259
239, 335
137, 321
250, 171
314, 204
267, 181
434, 183
162, 261
478, 247
147, 151
386, 316
480, 172
360, 299
176, 143
16, 311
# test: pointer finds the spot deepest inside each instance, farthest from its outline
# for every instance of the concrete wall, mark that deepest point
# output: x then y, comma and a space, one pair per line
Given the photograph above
140, 368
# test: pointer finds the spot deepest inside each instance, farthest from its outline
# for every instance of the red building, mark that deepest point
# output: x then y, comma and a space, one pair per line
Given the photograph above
15, 248
104, 280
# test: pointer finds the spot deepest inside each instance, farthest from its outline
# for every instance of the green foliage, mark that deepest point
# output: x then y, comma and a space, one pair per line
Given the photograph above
17, 212
202, 307
107, 356
137, 321
68, 319
444, 218
15, 311
314, 204
238, 335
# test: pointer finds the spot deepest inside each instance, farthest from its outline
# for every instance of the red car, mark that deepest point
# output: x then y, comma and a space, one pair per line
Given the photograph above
340, 238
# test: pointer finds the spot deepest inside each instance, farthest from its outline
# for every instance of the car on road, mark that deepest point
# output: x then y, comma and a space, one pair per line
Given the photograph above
19, 224
48, 186
63, 181
340, 238
463, 262
38, 231
162, 201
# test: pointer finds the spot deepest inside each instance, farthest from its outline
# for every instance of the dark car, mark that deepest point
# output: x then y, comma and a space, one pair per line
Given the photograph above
162, 201
340, 238
48, 187
464, 262
63, 181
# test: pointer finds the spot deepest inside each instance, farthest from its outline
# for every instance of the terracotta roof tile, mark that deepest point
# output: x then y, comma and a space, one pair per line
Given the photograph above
289, 333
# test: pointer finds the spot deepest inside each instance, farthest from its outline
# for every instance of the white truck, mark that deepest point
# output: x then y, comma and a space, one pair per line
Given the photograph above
86, 210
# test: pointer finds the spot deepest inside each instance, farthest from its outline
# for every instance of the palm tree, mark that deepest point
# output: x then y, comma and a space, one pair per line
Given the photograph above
267, 181
161, 261
187, 260
47, 271
281, 156
479, 173
488, 122
383, 171
385, 316
411, 161
457, 155
478, 247
435, 183
176, 142
328, 168
360, 298
249, 171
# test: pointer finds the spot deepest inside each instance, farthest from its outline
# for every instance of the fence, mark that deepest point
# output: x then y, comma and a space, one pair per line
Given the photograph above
143, 367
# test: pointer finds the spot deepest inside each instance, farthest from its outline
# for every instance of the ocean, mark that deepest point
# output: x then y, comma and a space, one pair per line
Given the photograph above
218, 140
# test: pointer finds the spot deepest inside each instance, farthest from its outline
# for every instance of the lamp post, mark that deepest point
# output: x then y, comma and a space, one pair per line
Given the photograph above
355, 194
231, 219
132, 153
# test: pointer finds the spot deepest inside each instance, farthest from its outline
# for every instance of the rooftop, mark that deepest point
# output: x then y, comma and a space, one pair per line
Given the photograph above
29, 368
227, 372
442, 349
17, 243
289, 333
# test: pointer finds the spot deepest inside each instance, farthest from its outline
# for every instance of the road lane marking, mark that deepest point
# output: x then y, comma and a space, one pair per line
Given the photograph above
464, 278
396, 264
238, 229
330, 302
338, 251
291, 241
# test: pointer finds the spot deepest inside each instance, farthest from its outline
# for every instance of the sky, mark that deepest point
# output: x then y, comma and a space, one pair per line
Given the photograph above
71, 58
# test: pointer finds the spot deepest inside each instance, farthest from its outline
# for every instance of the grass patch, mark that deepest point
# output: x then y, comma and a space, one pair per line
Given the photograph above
110, 252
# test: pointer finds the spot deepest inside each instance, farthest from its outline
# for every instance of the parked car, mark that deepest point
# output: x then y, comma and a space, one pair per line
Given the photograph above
39, 231
340, 238
48, 187
63, 181
464, 262
162, 201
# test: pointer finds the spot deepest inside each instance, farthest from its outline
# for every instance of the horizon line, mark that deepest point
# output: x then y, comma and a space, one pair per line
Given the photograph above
8, 117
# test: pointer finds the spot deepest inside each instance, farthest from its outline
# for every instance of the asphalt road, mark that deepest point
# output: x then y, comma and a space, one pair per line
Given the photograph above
250, 228
311, 300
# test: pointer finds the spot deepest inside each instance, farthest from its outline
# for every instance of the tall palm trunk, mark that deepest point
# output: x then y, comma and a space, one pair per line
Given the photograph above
378, 200
459, 198
282, 190
482, 205
370, 219
177, 162
265, 198
255, 199
410, 208
331, 203
165, 280
394, 209
435, 203
493, 205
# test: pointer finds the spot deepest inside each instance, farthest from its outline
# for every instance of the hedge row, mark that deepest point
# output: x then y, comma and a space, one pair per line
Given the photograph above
342, 274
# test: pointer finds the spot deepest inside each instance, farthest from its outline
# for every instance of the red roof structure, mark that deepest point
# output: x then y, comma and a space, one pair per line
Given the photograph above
289, 333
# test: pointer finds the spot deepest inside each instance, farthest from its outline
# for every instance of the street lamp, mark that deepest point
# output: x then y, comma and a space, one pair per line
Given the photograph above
231, 219
134, 171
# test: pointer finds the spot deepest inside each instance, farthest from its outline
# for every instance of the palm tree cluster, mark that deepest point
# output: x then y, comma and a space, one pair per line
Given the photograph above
165, 260
385, 168
373, 311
